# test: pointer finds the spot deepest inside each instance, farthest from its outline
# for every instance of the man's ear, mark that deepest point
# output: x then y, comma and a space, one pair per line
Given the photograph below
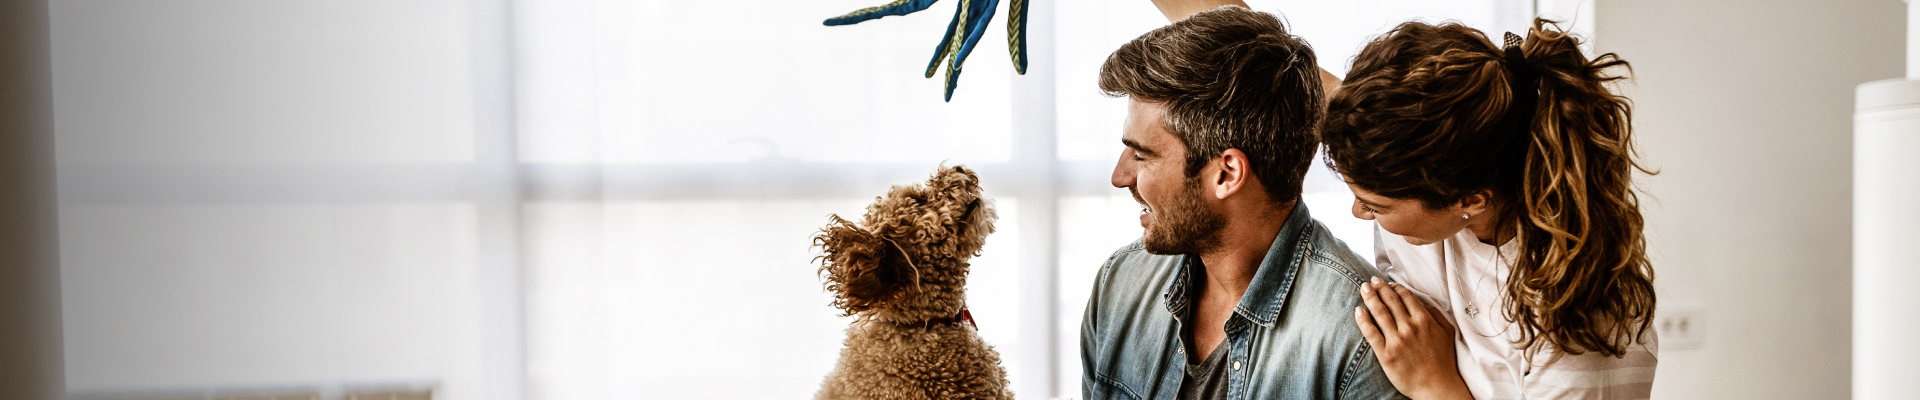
1229, 173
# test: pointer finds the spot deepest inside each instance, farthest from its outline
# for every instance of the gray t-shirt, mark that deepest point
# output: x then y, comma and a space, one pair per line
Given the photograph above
1207, 380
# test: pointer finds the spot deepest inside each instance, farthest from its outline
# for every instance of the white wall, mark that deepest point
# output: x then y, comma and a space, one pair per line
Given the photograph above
1746, 108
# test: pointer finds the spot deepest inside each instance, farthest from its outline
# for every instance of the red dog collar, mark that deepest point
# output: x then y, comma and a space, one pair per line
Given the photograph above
963, 316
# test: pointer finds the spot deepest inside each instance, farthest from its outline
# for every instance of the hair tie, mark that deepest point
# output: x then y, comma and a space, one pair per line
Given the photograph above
1525, 89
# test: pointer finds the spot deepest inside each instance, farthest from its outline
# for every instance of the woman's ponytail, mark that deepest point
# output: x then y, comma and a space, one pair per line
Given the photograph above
1581, 279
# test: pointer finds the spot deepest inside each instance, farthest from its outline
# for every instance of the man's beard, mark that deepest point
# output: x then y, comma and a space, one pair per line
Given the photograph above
1186, 226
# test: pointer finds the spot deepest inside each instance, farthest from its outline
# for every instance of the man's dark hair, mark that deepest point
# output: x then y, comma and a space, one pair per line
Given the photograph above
1230, 78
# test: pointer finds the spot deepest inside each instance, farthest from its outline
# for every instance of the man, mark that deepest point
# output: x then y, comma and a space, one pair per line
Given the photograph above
1234, 291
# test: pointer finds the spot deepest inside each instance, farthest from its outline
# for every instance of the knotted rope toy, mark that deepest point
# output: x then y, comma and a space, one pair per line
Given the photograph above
960, 38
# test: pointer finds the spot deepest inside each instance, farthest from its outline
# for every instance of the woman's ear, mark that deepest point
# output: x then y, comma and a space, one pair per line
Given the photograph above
1478, 202
863, 269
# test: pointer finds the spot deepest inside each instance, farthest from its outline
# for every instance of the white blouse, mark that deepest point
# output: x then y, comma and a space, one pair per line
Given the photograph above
1464, 278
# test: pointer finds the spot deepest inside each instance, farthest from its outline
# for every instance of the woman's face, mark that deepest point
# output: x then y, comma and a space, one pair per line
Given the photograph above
1409, 218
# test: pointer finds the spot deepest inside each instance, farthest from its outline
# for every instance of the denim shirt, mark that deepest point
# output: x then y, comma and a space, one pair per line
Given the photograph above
1291, 336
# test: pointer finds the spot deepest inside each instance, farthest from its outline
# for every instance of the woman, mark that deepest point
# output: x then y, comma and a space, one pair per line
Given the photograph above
1500, 178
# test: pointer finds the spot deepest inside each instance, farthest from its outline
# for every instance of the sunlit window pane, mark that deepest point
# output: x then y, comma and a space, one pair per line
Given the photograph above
209, 296
250, 82
675, 82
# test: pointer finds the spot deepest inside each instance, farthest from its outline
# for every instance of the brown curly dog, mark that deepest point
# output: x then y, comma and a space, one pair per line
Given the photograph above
903, 272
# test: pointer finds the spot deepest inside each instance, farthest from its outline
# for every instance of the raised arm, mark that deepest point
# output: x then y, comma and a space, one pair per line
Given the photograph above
1176, 10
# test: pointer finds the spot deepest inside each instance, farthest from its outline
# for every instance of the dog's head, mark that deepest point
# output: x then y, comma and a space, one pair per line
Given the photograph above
907, 260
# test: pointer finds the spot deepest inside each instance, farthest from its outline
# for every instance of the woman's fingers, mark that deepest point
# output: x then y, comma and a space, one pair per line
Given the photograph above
1419, 312
1394, 304
1377, 309
1367, 328
1416, 309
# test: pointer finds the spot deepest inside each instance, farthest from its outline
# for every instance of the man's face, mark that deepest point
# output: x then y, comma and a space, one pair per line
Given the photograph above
1153, 167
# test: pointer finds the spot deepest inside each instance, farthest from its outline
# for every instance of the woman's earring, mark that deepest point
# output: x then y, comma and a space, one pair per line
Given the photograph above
1466, 216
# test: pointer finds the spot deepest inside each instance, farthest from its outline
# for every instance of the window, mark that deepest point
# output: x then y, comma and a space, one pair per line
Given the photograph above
571, 199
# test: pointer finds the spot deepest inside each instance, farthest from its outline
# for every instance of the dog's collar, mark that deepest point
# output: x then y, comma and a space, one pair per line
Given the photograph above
964, 315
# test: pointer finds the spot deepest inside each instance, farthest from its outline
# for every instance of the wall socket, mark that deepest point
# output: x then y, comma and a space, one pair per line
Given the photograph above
1681, 327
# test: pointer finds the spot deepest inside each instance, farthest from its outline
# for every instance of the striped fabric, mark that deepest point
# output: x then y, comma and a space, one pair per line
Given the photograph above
1463, 277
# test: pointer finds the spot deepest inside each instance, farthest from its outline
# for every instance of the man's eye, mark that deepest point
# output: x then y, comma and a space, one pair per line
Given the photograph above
1364, 206
1137, 157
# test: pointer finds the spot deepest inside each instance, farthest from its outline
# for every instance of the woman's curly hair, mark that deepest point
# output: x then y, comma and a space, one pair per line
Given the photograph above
1421, 115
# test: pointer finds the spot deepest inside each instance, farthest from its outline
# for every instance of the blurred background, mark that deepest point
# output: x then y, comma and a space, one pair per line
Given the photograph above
607, 199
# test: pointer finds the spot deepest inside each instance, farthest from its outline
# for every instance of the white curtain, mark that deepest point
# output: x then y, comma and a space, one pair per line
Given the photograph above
569, 199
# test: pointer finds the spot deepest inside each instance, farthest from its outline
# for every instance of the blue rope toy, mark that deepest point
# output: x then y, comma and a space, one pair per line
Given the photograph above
959, 40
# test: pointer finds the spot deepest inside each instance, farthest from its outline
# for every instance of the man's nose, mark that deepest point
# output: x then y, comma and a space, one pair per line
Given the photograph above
1122, 172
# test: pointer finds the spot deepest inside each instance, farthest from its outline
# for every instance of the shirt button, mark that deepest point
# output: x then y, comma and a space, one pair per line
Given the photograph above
1236, 365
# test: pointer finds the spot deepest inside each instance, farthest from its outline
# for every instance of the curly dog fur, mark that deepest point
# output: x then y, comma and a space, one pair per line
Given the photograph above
904, 265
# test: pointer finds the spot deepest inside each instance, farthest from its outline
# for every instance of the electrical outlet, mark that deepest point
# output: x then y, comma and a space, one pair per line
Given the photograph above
1680, 327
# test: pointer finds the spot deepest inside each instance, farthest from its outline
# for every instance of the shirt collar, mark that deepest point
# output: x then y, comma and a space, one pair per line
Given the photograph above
1267, 295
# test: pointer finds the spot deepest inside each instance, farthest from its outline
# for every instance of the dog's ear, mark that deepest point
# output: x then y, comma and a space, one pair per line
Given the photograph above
864, 269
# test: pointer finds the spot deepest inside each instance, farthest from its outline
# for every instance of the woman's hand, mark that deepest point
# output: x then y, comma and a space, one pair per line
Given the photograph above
1412, 340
